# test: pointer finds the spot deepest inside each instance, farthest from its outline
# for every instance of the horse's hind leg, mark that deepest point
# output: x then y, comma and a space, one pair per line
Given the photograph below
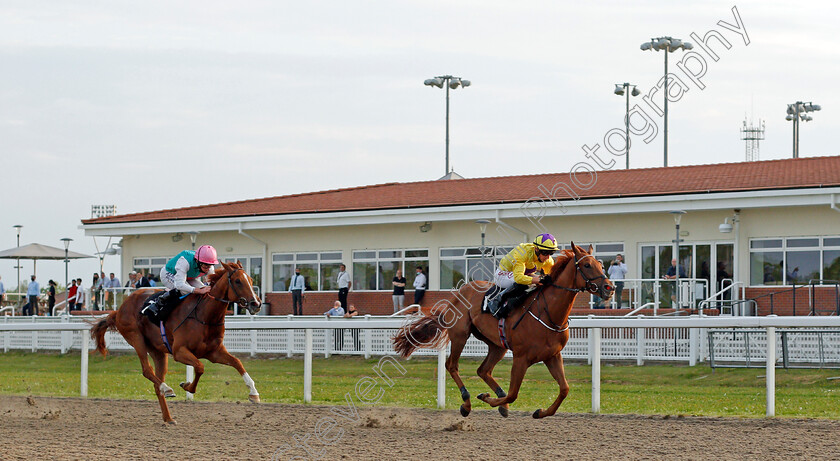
485, 372
185, 356
221, 355
555, 367
161, 389
458, 342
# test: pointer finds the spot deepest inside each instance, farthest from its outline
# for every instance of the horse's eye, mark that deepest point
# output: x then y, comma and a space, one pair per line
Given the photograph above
588, 265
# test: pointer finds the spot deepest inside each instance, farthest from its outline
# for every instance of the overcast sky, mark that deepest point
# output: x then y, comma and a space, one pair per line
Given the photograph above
153, 105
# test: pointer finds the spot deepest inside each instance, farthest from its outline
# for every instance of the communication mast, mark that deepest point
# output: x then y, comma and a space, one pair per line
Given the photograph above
752, 134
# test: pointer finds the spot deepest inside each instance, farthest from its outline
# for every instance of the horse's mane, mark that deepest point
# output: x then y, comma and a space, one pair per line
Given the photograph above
215, 276
560, 262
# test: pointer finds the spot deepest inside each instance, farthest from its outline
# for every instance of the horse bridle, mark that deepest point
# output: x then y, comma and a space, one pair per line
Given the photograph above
589, 283
241, 299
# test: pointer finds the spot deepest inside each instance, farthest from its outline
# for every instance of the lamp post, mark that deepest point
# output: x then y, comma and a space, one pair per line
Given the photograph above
482, 223
623, 89
677, 217
66, 260
669, 45
18, 227
193, 236
451, 82
796, 112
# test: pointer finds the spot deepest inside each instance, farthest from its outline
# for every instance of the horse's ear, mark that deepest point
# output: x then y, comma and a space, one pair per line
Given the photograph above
239, 263
590, 248
574, 247
225, 265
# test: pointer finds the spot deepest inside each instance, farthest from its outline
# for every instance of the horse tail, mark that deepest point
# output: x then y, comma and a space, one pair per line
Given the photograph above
426, 332
97, 333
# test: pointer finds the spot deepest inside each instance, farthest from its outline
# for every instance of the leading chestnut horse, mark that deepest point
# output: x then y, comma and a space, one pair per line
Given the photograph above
536, 331
194, 329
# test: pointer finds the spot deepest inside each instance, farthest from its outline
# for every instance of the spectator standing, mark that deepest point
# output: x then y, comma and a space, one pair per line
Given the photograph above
617, 273
113, 283
354, 332
32, 292
143, 280
297, 288
419, 285
81, 296
344, 285
2, 292
51, 297
672, 271
95, 291
399, 291
598, 302
71, 295
132, 280
337, 311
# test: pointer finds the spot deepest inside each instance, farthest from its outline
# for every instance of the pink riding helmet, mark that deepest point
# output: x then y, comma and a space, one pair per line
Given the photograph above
206, 254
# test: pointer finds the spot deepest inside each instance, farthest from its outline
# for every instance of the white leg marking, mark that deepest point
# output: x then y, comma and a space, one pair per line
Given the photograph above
250, 383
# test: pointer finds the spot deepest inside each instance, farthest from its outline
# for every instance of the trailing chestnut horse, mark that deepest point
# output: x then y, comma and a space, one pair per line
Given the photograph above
194, 329
536, 331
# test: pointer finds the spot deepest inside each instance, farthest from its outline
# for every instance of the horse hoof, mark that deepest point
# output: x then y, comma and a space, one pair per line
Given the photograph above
171, 422
184, 385
503, 411
536, 414
482, 396
254, 398
464, 411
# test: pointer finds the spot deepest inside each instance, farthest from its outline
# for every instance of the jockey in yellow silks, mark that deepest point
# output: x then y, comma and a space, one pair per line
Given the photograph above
518, 270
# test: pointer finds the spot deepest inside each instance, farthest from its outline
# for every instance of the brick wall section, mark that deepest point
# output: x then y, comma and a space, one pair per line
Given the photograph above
379, 303
825, 300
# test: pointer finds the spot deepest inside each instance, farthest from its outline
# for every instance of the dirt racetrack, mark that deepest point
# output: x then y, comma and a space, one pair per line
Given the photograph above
53, 428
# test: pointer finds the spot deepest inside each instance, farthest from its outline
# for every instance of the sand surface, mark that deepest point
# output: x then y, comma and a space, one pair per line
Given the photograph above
87, 429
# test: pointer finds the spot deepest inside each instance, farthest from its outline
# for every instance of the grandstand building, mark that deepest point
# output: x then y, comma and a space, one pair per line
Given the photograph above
763, 226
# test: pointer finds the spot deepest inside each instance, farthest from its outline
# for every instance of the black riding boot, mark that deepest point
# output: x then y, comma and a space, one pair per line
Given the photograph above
507, 300
159, 308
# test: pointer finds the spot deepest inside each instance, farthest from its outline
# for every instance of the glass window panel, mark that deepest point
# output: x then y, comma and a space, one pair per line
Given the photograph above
159, 261
256, 271
390, 254
831, 242
329, 274
473, 251
332, 256
480, 269
609, 247
774, 243
282, 273
307, 256
766, 268
451, 273
800, 243
725, 258
452, 252
417, 253
141, 261
310, 276
410, 271
802, 266
364, 255
703, 269
282, 257
831, 266
364, 275
502, 251
387, 272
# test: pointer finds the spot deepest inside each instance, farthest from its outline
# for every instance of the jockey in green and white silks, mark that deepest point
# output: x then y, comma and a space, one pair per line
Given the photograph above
183, 272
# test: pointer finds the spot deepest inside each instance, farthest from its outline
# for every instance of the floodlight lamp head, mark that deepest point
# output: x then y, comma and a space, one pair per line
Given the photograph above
791, 109
646, 46
789, 118
619, 89
688, 46
635, 91
466, 83
454, 83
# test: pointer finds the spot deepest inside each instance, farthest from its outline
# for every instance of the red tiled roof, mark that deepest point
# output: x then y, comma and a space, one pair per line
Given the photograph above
727, 177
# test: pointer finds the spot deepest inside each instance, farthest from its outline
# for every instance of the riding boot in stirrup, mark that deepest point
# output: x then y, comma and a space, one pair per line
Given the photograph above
495, 303
510, 299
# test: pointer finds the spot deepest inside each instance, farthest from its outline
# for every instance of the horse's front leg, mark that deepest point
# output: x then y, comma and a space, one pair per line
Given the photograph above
221, 355
185, 356
555, 367
517, 373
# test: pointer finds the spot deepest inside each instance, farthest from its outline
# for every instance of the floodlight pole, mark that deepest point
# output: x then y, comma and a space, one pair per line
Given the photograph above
66, 241
447, 80
17, 289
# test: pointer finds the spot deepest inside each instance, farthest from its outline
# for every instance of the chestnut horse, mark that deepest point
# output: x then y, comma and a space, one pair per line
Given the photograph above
194, 329
536, 331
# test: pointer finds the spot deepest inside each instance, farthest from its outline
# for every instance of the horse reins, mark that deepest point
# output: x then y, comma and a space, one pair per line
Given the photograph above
194, 315
590, 286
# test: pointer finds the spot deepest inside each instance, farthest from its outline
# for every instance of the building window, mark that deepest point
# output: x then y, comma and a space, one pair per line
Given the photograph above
319, 270
792, 260
150, 266
461, 265
376, 269
603, 251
